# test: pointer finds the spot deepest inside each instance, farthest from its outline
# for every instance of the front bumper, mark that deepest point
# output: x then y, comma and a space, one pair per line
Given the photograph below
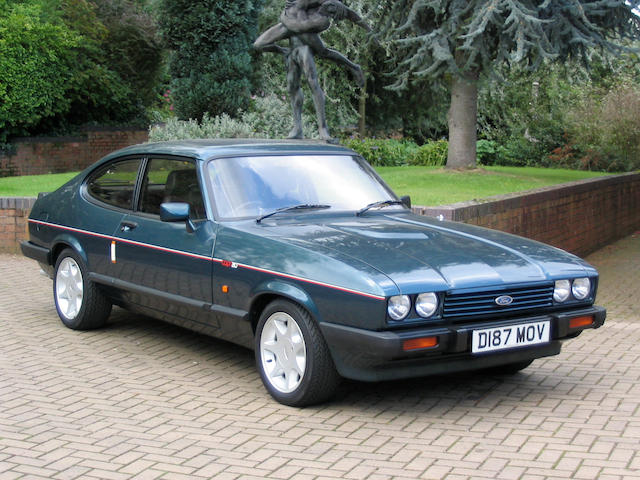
372, 356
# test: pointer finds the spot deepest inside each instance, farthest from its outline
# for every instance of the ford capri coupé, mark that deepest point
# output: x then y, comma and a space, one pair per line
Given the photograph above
302, 253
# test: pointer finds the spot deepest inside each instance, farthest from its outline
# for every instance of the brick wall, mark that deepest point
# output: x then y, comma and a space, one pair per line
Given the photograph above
36, 156
14, 212
579, 217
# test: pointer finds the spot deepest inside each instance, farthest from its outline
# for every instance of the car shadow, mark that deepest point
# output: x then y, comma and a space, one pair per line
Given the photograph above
478, 388
137, 327
471, 388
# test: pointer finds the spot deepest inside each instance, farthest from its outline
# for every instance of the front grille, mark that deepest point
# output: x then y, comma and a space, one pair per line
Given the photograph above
474, 304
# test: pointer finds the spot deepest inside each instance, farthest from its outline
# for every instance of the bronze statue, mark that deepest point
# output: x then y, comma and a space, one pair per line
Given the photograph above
301, 23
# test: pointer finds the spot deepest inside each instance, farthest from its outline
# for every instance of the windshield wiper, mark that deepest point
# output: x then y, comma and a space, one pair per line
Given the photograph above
380, 204
302, 206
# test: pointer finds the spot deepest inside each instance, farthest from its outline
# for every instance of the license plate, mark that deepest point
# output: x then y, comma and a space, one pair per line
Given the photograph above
510, 336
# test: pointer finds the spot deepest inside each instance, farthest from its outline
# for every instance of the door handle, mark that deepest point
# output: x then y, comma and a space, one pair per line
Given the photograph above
126, 226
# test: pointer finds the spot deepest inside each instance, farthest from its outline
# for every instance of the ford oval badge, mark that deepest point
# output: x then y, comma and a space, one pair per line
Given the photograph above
504, 300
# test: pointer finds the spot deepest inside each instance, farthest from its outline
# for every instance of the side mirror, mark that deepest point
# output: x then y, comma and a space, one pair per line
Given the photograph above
177, 212
406, 201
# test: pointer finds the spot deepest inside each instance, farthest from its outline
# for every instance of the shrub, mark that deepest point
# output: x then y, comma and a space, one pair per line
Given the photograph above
222, 126
383, 152
98, 92
525, 113
36, 62
132, 47
486, 152
604, 133
55, 73
431, 154
269, 117
210, 64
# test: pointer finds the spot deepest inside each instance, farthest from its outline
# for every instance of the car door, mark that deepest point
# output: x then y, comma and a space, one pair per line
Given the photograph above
166, 267
109, 196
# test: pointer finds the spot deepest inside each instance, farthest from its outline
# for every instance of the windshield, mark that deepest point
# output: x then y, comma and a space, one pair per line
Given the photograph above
255, 186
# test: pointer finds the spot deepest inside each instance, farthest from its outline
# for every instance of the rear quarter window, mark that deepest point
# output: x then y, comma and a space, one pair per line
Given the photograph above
115, 183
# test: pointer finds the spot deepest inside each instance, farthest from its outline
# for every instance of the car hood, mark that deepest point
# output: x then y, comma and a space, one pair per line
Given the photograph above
419, 254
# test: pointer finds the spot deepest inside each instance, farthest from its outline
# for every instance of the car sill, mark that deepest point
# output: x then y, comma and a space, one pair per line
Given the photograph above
171, 297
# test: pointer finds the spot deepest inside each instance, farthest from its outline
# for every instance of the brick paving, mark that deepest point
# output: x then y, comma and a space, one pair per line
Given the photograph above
144, 400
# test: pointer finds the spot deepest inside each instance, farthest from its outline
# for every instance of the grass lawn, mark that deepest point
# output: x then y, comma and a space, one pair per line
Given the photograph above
431, 186
427, 185
31, 185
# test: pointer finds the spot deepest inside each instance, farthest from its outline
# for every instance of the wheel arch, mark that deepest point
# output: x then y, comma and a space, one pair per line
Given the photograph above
272, 290
67, 241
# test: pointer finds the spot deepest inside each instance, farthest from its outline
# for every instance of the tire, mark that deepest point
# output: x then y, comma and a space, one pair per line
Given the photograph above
292, 356
79, 302
510, 368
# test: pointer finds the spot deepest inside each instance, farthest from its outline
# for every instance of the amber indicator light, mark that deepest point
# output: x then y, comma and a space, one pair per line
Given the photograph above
418, 343
580, 322
225, 289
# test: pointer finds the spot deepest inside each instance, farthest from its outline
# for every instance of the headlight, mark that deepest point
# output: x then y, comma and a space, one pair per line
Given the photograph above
399, 307
581, 288
426, 304
561, 290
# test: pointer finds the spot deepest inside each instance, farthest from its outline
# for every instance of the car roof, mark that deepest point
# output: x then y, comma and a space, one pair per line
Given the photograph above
206, 148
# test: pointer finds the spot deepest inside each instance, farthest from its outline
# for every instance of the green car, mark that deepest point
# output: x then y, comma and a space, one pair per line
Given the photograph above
302, 253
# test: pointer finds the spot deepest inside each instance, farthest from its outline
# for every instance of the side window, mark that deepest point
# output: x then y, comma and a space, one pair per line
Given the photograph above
171, 181
114, 184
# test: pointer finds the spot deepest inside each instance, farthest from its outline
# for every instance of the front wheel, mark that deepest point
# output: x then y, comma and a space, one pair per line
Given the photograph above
292, 356
79, 302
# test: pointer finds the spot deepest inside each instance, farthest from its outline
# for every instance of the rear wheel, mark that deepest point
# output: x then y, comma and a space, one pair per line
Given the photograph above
292, 356
79, 302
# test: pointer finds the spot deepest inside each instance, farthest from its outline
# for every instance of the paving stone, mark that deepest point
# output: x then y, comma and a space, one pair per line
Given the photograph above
141, 399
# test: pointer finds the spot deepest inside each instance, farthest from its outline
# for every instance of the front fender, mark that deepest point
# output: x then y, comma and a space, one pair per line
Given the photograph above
287, 290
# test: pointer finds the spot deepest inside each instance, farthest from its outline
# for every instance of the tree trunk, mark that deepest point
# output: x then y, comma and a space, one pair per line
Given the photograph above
362, 110
462, 118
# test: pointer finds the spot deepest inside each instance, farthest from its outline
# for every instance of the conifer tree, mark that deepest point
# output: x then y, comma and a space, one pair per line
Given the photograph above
210, 64
460, 40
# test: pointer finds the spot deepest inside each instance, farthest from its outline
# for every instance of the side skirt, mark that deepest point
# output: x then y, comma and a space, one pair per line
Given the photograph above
217, 321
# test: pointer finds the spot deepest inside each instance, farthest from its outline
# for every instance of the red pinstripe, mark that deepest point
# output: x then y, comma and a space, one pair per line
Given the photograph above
203, 257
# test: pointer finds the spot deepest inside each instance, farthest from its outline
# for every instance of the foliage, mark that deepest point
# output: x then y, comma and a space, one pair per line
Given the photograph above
132, 47
396, 152
383, 152
487, 151
268, 117
604, 132
543, 118
431, 154
96, 92
217, 127
525, 112
438, 37
455, 41
210, 63
36, 62
55, 77
384, 113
